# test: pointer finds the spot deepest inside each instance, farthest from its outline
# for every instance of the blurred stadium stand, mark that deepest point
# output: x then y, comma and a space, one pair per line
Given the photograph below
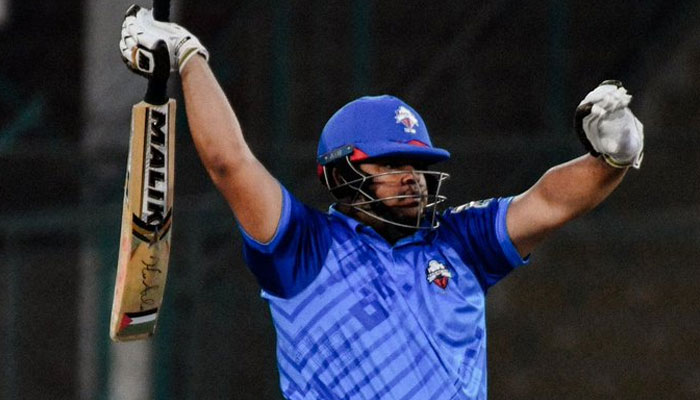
608, 308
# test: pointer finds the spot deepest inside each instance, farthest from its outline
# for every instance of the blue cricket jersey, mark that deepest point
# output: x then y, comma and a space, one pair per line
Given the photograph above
358, 318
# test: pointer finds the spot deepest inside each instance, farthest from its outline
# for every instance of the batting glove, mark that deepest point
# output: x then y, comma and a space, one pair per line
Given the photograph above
608, 128
140, 35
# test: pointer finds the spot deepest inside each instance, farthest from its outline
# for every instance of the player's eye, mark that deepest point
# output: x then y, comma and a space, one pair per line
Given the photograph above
387, 165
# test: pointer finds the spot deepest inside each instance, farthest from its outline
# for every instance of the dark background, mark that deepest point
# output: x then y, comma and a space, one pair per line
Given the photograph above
607, 309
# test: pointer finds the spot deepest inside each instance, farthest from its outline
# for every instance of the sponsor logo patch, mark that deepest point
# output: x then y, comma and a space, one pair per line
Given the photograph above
438, 274
472, 204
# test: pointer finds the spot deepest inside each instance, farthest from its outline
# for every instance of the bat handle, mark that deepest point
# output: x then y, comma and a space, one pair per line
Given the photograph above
161, 10
157, 91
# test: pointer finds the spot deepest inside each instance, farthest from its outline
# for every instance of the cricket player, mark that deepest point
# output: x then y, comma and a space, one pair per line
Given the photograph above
383, 296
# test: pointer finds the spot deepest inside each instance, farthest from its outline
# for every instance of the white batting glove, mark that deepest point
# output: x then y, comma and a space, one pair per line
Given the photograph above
607, 127
141, 33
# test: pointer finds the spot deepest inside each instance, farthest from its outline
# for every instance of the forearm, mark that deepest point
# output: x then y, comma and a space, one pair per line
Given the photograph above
215, 129
575, 187
562, 194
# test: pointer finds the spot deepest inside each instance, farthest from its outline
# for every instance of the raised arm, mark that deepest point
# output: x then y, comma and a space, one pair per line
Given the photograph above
562, 194
613, 136
252, 193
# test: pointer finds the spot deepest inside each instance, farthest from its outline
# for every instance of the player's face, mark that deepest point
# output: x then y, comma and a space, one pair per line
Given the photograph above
401, 179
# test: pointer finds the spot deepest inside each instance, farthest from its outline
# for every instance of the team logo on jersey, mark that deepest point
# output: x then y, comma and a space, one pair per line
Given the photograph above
405, 117
438, 274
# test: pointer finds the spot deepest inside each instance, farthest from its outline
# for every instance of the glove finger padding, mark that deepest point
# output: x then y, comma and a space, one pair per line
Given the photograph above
137, 45
140, 35
607, 127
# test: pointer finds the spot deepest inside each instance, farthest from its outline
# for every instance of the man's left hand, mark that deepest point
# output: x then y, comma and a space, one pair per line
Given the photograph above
607, 127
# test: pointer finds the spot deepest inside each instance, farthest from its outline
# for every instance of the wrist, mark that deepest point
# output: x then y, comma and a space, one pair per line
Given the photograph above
192, 53
604, 165
615, 163
196, 61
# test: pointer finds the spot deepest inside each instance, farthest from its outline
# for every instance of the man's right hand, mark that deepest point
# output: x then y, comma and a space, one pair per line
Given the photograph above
141, 33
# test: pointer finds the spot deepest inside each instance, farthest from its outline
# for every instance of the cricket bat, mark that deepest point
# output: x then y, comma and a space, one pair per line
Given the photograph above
147, 214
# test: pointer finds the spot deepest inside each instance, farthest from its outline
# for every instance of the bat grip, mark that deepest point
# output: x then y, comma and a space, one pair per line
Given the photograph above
161, 10
156, 93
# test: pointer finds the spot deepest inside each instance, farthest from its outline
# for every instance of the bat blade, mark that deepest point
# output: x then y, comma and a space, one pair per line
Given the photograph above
144, 249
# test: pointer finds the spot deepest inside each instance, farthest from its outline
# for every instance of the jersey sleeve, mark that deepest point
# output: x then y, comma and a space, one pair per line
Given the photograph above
291, 260
478, 230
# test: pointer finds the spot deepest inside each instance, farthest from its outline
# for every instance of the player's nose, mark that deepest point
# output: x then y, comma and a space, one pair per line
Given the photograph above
409, 175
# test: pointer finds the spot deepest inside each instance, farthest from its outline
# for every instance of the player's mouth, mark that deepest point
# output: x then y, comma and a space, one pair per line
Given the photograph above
410, 202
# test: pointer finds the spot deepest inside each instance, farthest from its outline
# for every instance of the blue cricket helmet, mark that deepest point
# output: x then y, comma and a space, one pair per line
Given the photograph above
377, 126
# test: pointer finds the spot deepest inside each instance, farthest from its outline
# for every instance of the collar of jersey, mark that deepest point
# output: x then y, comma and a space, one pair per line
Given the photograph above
361, 228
